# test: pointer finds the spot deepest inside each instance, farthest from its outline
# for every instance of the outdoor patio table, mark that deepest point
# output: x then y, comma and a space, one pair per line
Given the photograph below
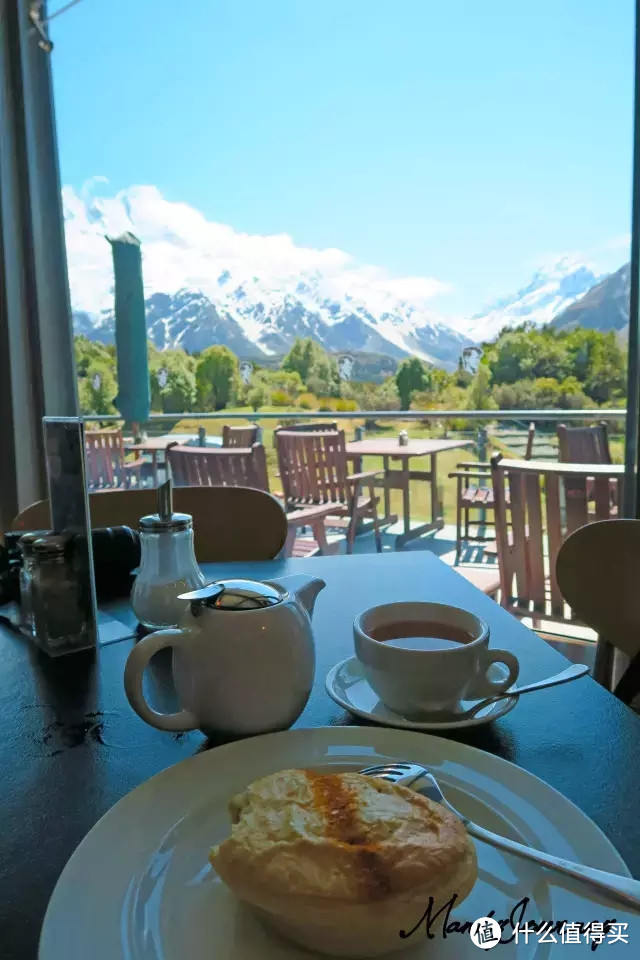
389, 449
71, 746
155, 446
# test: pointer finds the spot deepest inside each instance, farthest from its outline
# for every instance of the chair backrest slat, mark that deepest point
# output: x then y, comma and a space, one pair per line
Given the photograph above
313, 466
502, 534
554, 536
104, 458
517, 504
219, 466
534, 544
583, 444
239, 436
545, 504
316, 426
576, 500
602, 494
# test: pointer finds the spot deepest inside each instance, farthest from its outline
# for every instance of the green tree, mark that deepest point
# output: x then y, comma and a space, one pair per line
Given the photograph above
97, 390
479, 395
386, 395
317, 370
89, 352
410, 376
173, 381
257, 397
216, 377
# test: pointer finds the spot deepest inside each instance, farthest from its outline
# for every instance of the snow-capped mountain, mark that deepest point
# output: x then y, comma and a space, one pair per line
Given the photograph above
604, 307
550, 292
206, 283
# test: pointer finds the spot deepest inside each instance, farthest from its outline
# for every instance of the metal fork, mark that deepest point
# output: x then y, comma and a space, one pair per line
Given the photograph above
624, 889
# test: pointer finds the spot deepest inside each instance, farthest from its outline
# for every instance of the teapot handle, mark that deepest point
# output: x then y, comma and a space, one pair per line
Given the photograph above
134, 672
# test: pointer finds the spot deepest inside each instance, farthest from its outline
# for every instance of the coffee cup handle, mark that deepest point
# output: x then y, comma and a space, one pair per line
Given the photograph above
134, 672
482, 685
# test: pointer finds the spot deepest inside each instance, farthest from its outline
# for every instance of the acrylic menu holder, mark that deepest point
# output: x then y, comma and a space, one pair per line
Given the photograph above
69, 505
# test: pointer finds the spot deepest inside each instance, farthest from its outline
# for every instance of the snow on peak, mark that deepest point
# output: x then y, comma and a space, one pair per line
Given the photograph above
248, 277
550, 291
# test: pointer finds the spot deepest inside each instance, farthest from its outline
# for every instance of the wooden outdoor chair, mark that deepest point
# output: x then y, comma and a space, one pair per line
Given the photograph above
584, 444
474, 493
239, 436
229, 523
246, 467
534, 517
218, 466
314, 472
316, 426
598, 572
107, 468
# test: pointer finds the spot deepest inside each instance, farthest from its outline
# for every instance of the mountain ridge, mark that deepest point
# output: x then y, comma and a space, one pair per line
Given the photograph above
604, 307
206, 283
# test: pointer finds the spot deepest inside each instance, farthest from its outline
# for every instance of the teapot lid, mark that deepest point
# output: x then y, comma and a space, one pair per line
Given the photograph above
233, 595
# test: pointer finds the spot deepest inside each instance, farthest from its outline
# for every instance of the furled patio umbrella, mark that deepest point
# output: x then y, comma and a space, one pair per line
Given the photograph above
134, 394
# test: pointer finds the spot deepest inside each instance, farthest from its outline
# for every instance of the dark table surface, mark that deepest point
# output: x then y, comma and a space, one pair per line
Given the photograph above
71, 746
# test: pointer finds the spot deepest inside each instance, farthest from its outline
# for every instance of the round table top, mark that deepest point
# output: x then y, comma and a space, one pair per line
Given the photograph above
71, 745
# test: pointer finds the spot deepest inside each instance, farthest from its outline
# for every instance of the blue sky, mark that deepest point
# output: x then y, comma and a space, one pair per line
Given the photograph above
467, 140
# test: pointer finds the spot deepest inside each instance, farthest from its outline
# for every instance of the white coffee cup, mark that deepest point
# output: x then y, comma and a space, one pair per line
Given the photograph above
429, 675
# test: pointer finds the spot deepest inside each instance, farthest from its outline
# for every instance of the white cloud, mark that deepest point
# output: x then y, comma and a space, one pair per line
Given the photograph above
622, 242
181, 248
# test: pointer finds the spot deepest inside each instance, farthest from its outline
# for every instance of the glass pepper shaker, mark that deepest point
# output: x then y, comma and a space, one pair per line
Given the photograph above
58, 618
168, 565
26, 544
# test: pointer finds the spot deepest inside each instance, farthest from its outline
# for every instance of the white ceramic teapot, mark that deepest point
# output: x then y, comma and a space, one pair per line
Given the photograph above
243, 658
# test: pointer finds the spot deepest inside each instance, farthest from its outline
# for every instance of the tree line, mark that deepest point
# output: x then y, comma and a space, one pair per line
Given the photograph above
525, 368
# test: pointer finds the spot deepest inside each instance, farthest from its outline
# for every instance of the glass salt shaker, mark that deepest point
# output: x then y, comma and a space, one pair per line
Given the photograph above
57, 611
168, 565
26, 579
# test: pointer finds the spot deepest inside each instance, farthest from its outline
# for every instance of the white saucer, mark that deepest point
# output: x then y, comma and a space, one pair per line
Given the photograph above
346, 685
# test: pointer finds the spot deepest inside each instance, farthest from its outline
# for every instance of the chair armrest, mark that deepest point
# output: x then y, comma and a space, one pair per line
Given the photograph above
305, 516
367, 475
134, 464
474, 464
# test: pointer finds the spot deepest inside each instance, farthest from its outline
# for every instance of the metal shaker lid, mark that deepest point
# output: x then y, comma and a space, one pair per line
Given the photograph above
27, 542
234, 595
155, 523
49, 547
165, 519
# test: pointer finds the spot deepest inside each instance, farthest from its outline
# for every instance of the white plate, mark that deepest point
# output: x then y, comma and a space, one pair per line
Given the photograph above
139, 886
347, 685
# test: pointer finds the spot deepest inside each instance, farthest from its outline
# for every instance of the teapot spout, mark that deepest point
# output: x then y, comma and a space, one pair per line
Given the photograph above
305, 589
308, 592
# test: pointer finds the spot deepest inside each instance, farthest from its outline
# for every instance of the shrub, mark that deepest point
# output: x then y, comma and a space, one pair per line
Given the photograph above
280, 399
307, 401
344, 403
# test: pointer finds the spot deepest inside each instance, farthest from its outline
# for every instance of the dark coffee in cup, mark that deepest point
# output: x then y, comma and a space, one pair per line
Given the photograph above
421, 635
